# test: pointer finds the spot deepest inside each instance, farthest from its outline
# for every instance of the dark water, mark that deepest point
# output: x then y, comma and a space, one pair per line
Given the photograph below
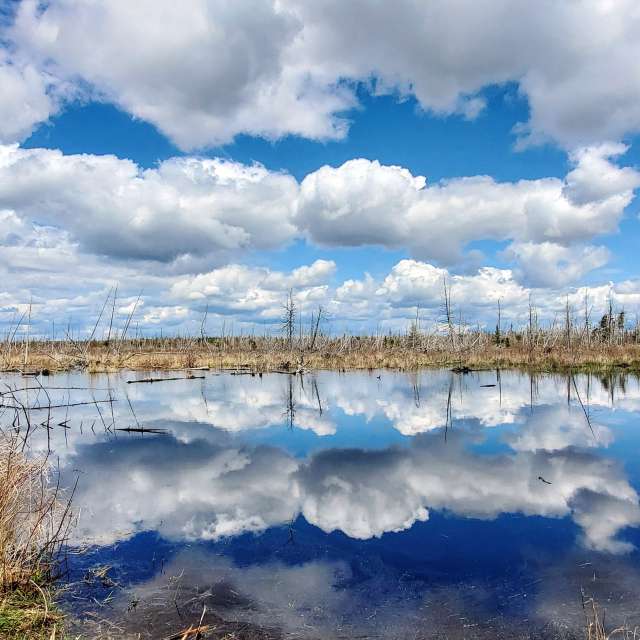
351, 505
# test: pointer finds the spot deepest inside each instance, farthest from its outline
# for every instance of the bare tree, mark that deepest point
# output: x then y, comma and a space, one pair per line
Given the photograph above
315, 328
203, 324
289, 319
567, 322
587, 313
447, 309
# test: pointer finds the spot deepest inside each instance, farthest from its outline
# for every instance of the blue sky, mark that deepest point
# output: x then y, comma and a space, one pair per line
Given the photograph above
358, 155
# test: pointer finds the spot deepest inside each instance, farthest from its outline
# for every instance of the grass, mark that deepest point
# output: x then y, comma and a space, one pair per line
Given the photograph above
33, 526
548, 351
570, 341
595, 628
29, 616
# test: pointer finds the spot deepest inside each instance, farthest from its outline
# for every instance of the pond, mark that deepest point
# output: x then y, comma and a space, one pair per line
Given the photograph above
343, 505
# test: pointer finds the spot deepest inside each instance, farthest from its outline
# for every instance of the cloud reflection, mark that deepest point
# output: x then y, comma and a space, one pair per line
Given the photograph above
204, 491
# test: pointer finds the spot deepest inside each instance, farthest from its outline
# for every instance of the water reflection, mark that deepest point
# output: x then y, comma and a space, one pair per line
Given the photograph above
303, 504
207, 489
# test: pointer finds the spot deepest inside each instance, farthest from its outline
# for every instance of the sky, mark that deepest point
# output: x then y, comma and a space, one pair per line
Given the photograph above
173, 158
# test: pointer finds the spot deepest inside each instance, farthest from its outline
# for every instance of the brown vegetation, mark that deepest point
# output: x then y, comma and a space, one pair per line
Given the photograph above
595, 628
546, 350
571, 341
33, 525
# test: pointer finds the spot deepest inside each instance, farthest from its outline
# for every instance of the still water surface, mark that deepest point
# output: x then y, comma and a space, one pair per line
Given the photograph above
374, 504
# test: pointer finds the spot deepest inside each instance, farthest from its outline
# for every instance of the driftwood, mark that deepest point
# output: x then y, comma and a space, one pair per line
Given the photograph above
190, 633
165, 379
141, 430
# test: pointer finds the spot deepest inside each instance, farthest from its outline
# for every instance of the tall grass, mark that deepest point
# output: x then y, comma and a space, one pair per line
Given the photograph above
34, 522
570, 340
551, 348
595, 624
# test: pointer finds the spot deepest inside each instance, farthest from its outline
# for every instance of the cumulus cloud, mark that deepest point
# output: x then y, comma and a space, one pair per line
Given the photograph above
194, 206
548, 264
364, 202
260, 290
276, 68
26, 100
43, 267
412, 283
185, 206
592, 178
166, 231
202, 76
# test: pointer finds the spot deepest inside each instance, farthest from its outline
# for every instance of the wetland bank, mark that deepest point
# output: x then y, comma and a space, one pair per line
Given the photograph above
558, 347
324, 504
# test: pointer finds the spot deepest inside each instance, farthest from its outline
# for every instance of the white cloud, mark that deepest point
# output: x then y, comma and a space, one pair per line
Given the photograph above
165, 316
75, 225
547, 264
276, 68
189, 207
256, 289
185, 206
202, 76
412, 283
25, 100
594, 178
363, 202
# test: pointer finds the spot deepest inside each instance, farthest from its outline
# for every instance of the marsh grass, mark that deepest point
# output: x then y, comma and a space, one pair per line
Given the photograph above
595, 624
29, 616
549, 351
34, 522
571, 340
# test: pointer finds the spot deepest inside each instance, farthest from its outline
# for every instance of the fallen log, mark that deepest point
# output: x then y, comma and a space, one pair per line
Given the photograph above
165, 379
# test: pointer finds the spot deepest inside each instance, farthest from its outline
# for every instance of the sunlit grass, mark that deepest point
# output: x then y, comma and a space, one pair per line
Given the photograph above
29, 615
33, 525
479, 350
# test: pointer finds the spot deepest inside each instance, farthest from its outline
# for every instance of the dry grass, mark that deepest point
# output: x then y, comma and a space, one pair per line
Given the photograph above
571, 340
473, 349
595, 620
33, 525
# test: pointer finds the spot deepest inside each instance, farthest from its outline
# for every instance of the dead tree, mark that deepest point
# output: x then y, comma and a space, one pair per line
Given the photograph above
289, 319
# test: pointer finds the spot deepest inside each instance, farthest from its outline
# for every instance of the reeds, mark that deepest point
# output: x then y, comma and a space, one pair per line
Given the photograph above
548, 349
571, 340
595, 621
34, 522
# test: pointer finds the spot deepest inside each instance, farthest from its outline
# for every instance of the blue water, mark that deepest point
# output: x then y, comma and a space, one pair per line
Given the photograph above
334, 505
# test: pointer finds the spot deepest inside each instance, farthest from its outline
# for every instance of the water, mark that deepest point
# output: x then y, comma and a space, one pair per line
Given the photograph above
332, 505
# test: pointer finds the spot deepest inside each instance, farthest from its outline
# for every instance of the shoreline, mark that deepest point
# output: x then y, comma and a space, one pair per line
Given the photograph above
96, 358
